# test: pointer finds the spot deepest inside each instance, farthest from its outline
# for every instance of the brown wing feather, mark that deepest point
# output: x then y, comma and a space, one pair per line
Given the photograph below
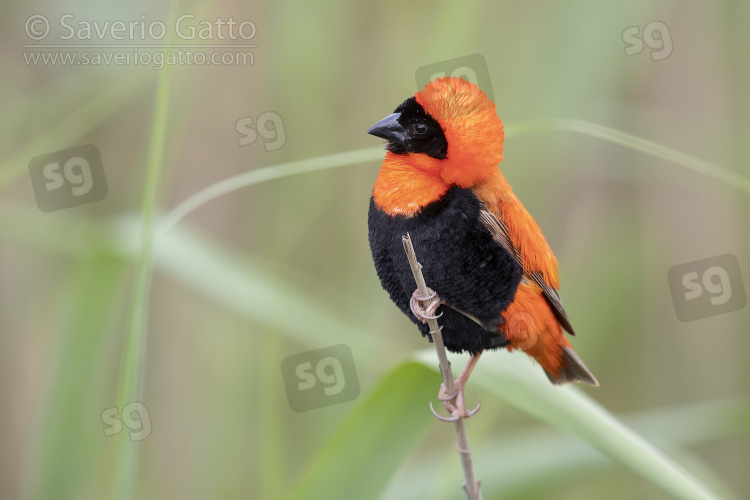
499, 231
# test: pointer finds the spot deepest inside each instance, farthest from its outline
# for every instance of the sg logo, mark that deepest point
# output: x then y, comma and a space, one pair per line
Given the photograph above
660, 46
319, 378
707, 287
522, 325
68, 178
472, 68
134, 416
274, 136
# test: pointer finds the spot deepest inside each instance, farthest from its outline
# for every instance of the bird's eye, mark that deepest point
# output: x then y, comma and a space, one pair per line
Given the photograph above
420, 129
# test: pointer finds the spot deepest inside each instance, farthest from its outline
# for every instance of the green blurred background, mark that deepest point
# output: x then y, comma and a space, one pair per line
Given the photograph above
284, 267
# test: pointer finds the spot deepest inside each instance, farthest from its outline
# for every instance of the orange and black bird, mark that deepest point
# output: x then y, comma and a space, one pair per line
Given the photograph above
492, 274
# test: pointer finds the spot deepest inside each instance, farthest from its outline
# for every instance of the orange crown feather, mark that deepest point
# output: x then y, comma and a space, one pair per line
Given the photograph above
471, 126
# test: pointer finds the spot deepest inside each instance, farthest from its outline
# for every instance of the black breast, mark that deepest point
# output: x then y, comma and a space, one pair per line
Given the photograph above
460, 261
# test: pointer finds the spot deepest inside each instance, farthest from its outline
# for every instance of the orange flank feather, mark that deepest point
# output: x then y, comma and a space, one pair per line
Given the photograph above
531, 327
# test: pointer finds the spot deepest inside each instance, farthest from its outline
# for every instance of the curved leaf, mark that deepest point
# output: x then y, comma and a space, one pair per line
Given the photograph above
517, 381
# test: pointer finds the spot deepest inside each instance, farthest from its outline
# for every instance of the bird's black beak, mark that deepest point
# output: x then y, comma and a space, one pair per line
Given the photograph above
389, 129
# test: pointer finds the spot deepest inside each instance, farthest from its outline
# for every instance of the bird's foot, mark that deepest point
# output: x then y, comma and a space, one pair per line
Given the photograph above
455, 404
425, 313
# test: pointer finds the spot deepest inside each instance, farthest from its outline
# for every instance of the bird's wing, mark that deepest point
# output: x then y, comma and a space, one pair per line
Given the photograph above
501, 234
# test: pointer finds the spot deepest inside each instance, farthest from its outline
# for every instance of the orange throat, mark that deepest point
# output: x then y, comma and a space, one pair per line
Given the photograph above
407, 183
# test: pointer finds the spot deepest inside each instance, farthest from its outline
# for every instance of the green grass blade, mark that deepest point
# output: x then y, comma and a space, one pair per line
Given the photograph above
513, 463
68, 441
366, 449
632, 142
517, 381
267, 174
133, 356
242, 283
246, 286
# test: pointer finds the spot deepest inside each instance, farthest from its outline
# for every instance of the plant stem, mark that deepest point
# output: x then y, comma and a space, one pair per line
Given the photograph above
471, 484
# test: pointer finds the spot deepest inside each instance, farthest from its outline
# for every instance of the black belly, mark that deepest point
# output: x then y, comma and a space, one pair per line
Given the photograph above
460, 261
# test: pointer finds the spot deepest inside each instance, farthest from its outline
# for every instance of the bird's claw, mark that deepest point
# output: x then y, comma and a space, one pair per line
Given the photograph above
444, 396
456, 413
455, 404
425, 313
440, 417
475, 410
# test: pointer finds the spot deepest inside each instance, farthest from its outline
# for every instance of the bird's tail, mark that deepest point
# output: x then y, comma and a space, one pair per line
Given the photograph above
558, 359
571, 369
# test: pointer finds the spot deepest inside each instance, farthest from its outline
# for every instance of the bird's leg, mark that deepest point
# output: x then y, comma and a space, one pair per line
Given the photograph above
455, 403
425, 313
